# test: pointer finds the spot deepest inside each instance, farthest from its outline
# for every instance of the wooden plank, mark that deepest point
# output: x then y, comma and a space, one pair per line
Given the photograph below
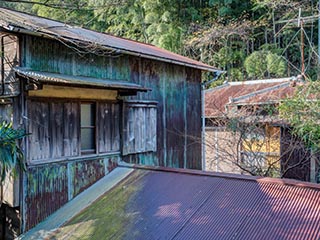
71, 138
6, 112
57, 129
115, 123
38, 118
104, 128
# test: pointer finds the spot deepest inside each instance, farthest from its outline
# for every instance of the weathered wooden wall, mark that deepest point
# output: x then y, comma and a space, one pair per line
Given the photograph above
57, 172
49, 186
177, 91
175, 88
139, 128
54, 127
5, 112
9, 52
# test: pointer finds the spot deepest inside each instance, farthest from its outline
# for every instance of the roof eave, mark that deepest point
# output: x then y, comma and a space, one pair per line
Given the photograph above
203, 67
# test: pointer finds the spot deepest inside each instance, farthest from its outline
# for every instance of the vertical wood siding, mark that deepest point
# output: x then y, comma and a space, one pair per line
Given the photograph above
54, 129
109, 127
10, 58
5, 112
139, 130
175, 88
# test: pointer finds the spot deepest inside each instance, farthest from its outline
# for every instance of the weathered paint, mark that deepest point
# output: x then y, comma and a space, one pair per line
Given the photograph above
177, 91
9, 51
51, 185
47, 190
184, 204
175, 88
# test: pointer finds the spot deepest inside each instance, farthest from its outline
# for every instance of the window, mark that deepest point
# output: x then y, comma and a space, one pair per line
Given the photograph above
88, 128
140, 127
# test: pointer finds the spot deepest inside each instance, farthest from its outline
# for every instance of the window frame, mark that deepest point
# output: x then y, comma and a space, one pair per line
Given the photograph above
94, 113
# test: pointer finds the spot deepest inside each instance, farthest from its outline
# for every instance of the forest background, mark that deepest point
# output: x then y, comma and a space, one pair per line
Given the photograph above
249, 39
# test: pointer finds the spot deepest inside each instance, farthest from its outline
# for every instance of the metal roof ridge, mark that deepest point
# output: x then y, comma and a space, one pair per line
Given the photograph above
261, 81
258, 179
261, 91
227, 84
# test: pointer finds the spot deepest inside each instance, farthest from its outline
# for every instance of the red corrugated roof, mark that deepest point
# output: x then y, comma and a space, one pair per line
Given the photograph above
18, 21
184, 204
249, 92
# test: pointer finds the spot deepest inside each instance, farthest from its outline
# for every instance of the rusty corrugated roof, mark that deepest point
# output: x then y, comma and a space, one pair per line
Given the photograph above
22, 22
189, 204
243, 93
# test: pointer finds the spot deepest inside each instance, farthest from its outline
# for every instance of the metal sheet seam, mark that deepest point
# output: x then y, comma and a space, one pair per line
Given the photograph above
197, 209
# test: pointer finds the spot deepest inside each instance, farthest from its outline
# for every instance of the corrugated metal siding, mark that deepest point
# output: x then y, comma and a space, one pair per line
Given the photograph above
50, 186
47, 190
85, 173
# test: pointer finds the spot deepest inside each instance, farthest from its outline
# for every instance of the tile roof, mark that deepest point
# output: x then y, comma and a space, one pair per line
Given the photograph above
246, 93
29, 24
187, 204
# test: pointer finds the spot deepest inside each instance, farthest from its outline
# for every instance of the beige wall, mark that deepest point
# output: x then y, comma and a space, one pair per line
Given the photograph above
221, 150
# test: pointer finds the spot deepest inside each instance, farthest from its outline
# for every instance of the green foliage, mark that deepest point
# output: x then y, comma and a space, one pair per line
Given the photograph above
222, 33
262, 64
302, 112
11, 155
231, 9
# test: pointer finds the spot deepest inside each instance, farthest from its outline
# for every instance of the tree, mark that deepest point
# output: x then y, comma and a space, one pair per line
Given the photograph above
303, 113
249, 141
261, 64
11, 155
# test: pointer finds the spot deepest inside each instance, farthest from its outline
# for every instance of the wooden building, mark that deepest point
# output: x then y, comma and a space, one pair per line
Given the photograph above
259, 139
89, 100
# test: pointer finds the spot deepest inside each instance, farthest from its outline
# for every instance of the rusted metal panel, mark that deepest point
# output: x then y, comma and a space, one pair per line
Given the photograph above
218, 98
147, 158
51, 185
162, 203
47, 190
86, 173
